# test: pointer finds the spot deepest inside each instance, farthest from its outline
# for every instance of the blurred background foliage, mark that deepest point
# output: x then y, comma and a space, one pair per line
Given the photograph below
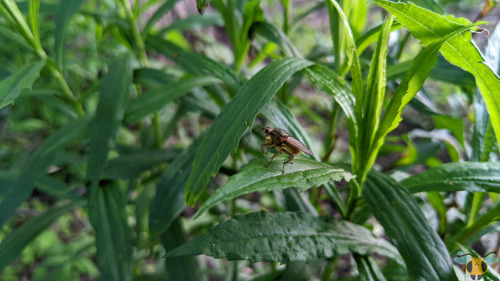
104, 106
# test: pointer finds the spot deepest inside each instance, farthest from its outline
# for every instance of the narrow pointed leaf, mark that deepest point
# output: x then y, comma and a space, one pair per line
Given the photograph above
14, 243
372, 105
218, 70
159, 12
328, 81
179, 268
114, 244
65, 11
284, 237
23, 78
37, 164
169, 201
108, 117
470, 176
303, 174
409, 87
424, 253
154, 100
368, 269
234, 118
131, 165
460, 50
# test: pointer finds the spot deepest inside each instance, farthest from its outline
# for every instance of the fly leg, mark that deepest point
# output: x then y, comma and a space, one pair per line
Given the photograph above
290, 157
262, 148
279, 152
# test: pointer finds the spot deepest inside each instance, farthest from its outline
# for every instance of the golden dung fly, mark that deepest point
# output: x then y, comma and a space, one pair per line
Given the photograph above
282, 142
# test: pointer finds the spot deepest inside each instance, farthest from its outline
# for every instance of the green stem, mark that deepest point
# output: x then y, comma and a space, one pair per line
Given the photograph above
68, 94
143, 59
477, 201
353, 196
136, 35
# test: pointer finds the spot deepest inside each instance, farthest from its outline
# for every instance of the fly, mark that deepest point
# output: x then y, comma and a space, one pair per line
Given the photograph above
282, 142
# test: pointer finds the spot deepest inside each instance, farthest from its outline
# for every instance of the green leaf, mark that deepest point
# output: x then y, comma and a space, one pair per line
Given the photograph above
371, 36
425, 255
303, 174
194, 22
108, 117
218, 70
113, 235
271, 33
179, 268
328, 81
14, 243
408, 88
130, 166
154, 100
169, 202
37, 164
460, 50
230, 124
24, 77
13, 37
368, 269
470, 176
284, 237
372, 103
427, 4
159, 12
65, 11
202, 5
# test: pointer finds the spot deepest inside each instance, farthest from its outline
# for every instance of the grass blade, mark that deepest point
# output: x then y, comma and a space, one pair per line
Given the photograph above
108, 117
284, 237
113, 240
14, 243
65, 11
470, 176
230, 124
23, 78
303, 174
424, 253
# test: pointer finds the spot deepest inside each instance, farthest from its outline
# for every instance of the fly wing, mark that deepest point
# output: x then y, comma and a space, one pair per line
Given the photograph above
292, 141
461, 258
491, 258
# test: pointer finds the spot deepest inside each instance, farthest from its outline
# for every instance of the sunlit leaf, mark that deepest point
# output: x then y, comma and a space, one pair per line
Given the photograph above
303, 174
459, 50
